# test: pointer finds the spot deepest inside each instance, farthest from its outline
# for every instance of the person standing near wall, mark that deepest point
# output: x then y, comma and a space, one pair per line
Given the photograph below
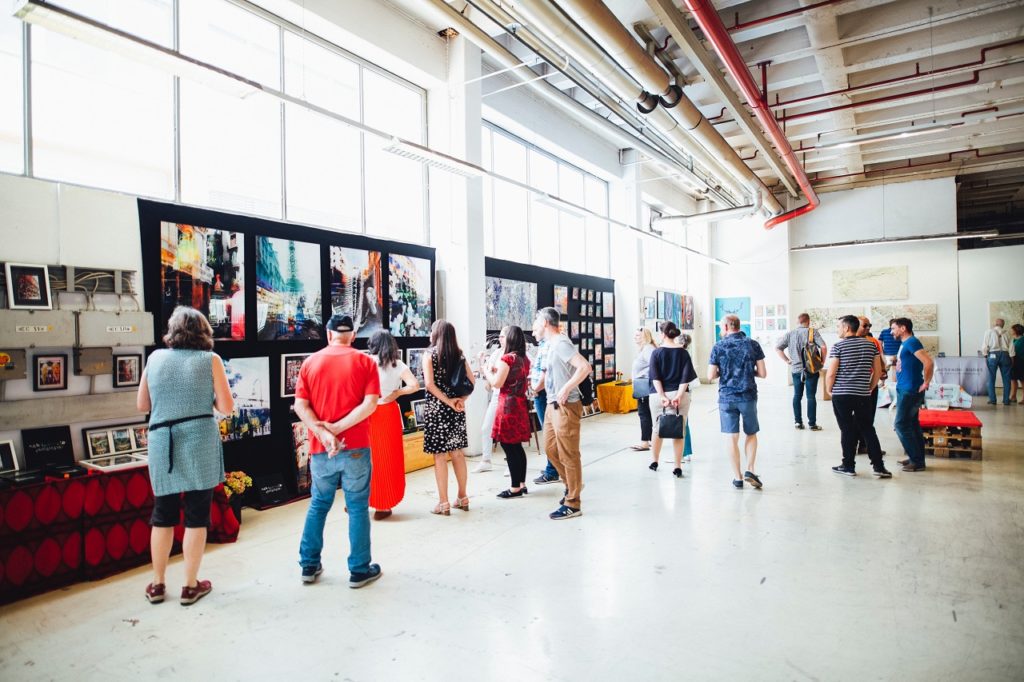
997, 349
864, 332
180, 388
642, 385
566, 369
510, 379
890, 347
488, 364
540, 399
737, 360
853, 370
387, 449
1017, 371
914, 369
671, 373
796, 342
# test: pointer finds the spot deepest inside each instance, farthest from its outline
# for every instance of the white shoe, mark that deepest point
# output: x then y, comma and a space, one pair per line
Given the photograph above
482, 467
686, 458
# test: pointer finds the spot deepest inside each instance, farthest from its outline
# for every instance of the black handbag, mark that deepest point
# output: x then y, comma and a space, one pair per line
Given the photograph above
671, 426
459, 382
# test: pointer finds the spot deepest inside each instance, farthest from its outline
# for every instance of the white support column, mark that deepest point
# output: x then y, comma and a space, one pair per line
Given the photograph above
456, 212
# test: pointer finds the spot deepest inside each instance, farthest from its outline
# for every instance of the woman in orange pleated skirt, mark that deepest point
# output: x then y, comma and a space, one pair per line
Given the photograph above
387, 454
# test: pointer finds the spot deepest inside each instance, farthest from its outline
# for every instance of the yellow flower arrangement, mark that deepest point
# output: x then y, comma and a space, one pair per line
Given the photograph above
236, 483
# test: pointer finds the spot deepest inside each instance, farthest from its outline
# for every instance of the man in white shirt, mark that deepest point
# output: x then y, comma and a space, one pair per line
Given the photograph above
998, 349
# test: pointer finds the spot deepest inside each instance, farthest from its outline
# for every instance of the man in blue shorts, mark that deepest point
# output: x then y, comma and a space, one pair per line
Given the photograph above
736, 360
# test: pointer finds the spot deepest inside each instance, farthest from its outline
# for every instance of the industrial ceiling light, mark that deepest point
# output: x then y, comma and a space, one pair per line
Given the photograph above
434, 159
897, 240
913, 131
560, 204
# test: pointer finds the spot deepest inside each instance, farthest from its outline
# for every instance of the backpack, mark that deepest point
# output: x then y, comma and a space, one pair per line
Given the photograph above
812, 354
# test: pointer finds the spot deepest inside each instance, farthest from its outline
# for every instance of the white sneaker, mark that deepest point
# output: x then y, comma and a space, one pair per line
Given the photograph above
482, 467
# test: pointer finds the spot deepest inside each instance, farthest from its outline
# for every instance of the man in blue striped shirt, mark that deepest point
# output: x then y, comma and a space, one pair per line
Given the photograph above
853, 370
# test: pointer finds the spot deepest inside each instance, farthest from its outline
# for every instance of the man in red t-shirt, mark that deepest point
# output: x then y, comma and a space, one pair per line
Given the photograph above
337, 391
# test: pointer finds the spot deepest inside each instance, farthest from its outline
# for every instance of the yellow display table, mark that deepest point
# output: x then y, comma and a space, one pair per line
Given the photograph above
415, 458
616, 397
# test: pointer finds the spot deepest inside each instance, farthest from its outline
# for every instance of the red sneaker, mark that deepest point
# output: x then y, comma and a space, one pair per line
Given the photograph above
155, 593
190, 595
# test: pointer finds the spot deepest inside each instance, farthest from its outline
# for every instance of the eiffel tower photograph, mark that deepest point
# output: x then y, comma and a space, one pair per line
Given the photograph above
288, 298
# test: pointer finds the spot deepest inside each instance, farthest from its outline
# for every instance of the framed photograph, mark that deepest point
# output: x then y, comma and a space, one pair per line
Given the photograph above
780, 309
47, 445
769, 311
598, 310
661, 305
609, 304
769, 324
561, 299
758, 311
8, 458
97, 442
140, 436
249, 381
609, 334
598, 354
590, 295
410, 290
759, 324
356, 288
574, 330
121, 439
650, 308
598, 331
419, 411
782, 324
28, 286
115, 462
414, 358
609, 366
300, 443
287, 290
51, 372
590, 327
127, 370
290, 365
575, 293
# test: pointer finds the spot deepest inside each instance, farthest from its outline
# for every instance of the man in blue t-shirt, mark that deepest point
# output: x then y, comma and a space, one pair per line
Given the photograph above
890, 346
736, 360
914, 369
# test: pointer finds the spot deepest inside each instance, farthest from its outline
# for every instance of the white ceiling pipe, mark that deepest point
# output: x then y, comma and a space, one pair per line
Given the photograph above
682, 126
594, 17
710, 216
450, 17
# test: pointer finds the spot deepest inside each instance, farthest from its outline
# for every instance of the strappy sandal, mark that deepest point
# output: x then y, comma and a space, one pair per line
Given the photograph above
442, 509
462, 503
640, 448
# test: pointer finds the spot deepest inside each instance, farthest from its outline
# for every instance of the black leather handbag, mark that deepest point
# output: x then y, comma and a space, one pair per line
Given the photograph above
671, 425
459, 382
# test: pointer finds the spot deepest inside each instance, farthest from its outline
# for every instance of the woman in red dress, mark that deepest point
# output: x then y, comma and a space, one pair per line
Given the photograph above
387, 453
512, 422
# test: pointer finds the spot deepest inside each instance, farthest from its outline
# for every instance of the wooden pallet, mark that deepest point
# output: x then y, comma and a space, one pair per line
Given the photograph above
954, 442
953, 431
954, 453
962, 442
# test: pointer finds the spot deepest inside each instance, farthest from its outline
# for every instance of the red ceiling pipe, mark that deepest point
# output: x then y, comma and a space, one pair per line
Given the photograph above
738, 26
714, 30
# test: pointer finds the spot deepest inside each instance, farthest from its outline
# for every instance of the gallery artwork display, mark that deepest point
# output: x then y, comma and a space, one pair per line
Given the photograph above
689, 313
759, 324
574, 330
826, 319
419, 410
414, 359
202, 268
127, 370
783, 324
609, 334
575, 293
288, 300
609, 304
769, 311
609, 366
887, 283
8, 457
357, 289
738, 306
290, 366
509, 302
758, 311
300, 446
770, 324
1012, 312
51, 372
28, 286
929, 342
781, 310
249, 381
650, 308
409, 286
598, 331
598, 352
561, 299
925, 316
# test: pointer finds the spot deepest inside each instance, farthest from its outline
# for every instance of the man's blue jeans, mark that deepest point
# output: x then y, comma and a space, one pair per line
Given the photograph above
908, 424
1001, 361
540, 403
352, 469
810, 384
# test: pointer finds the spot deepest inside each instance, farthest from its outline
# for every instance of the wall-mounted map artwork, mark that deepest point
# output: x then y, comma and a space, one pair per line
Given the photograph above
870, 284
929, 342
826, 319
356, 288
925, 316
288, 304
1012, 312
409, 286
510, 301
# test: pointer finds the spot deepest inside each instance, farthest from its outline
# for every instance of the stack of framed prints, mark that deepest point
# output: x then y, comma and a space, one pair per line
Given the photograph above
110, 448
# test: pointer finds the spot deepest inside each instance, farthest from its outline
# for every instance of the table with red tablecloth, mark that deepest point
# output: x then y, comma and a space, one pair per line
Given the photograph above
62, 531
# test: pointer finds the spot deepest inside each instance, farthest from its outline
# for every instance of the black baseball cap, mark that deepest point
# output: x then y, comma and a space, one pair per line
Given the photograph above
340, 323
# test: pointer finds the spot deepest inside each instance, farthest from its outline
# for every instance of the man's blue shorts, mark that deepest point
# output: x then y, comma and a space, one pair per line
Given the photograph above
729, 414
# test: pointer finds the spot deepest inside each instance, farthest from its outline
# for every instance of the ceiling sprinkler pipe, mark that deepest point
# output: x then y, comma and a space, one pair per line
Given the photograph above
646, 102
675, 95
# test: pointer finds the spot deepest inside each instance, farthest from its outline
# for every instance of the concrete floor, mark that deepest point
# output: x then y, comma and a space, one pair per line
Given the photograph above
816, 577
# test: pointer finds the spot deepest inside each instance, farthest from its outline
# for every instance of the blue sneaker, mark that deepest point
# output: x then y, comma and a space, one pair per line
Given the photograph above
544, 479
357, 580
752, 478
311, 573
564, 512
737, 483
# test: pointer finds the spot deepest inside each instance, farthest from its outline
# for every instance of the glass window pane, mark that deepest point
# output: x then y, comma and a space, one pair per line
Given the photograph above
230, 151
99, 119
543, 235
573, 243
323, 171
488, 193
149, 19
509, 158
11, 120
231, 38
510, 221
543, 172
596, 195
320, 76
570, 184
597, 247
394, 195
392, 107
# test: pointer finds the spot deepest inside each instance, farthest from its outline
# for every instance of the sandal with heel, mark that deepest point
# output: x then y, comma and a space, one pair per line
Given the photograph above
462, 503
442, 509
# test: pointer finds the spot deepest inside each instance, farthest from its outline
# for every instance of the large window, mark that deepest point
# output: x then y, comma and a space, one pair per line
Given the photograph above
529, 228
100, 119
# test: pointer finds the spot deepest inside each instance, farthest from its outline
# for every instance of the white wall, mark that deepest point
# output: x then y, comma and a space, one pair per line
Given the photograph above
987, 275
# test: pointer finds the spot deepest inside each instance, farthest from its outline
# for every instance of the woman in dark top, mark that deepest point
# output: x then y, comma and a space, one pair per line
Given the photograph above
510, 376
444, 429
1017, 369
671, 372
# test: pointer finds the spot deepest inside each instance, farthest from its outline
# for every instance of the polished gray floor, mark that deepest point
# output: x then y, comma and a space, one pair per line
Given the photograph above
816, 577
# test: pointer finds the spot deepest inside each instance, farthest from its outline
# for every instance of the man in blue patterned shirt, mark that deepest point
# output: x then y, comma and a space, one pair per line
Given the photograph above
736, 360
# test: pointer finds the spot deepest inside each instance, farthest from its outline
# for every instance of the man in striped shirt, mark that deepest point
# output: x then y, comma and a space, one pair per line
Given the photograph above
853, 370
